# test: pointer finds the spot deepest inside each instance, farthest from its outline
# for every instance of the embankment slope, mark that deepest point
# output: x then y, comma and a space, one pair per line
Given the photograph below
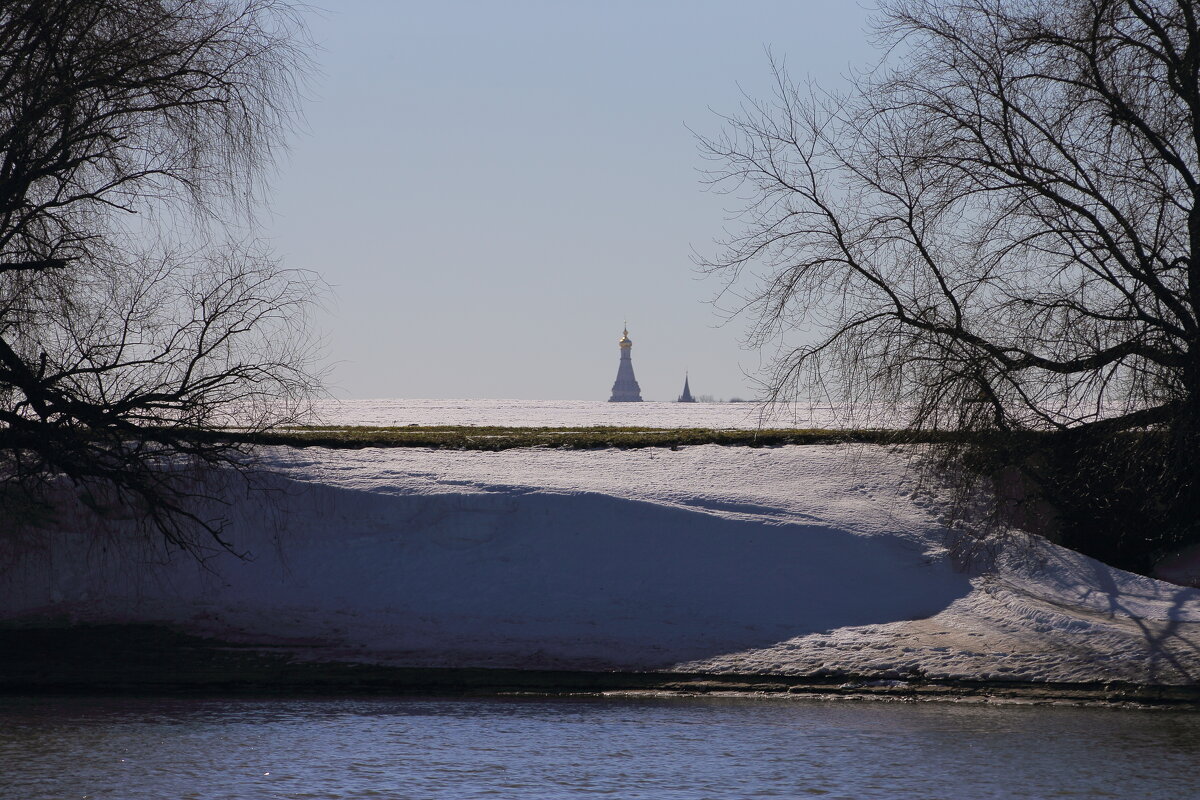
790, 561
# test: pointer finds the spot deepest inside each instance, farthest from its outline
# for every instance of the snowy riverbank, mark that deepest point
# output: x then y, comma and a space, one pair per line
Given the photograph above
784, 561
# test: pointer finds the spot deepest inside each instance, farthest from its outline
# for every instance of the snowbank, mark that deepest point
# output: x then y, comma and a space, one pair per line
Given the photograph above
790, 560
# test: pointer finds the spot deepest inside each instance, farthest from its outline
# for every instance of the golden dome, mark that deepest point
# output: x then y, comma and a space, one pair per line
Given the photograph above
625, 341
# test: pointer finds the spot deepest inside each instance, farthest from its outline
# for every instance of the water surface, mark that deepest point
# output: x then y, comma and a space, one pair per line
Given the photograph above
129, 749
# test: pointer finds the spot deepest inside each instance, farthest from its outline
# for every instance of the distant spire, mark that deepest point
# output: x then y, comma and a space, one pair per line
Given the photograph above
686, 397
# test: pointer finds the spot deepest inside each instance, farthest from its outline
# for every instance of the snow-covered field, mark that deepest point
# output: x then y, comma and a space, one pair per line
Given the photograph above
785, 560
577, 413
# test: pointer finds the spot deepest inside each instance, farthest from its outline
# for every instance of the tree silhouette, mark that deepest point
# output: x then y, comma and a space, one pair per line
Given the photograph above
136, 310
997, 230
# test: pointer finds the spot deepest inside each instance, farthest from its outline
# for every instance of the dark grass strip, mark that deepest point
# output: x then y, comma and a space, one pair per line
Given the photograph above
503, 438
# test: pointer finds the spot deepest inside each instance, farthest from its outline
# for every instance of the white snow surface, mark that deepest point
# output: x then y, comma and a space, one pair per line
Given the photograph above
585, 413
790, 560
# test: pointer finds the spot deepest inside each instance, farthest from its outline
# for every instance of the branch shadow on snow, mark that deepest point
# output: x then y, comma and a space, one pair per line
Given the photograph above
1165, 640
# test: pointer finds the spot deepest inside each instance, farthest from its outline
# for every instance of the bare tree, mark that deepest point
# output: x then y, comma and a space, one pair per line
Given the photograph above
998, 229
136, 311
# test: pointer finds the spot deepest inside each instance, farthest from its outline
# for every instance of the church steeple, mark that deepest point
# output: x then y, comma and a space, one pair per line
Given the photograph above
625, 388
686, 397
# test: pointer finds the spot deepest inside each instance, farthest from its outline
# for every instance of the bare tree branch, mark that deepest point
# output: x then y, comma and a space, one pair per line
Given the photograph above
124, 335
997, 230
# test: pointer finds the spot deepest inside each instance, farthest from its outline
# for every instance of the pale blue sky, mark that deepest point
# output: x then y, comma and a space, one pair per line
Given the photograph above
493, 187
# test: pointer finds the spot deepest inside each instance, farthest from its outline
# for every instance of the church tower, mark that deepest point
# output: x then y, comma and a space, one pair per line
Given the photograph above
686, 397
625, 387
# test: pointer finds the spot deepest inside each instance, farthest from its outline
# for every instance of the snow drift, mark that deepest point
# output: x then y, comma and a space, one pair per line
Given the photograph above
791, 560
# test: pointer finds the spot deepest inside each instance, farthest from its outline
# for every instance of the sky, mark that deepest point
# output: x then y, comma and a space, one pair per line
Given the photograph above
493, 189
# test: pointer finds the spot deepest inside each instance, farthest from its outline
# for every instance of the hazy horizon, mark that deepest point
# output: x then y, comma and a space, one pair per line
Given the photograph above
493, 190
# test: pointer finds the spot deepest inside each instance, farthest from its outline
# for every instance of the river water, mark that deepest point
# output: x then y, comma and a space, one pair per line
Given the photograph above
170, 749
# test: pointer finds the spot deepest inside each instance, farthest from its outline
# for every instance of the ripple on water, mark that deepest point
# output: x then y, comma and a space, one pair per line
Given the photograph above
629, 748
